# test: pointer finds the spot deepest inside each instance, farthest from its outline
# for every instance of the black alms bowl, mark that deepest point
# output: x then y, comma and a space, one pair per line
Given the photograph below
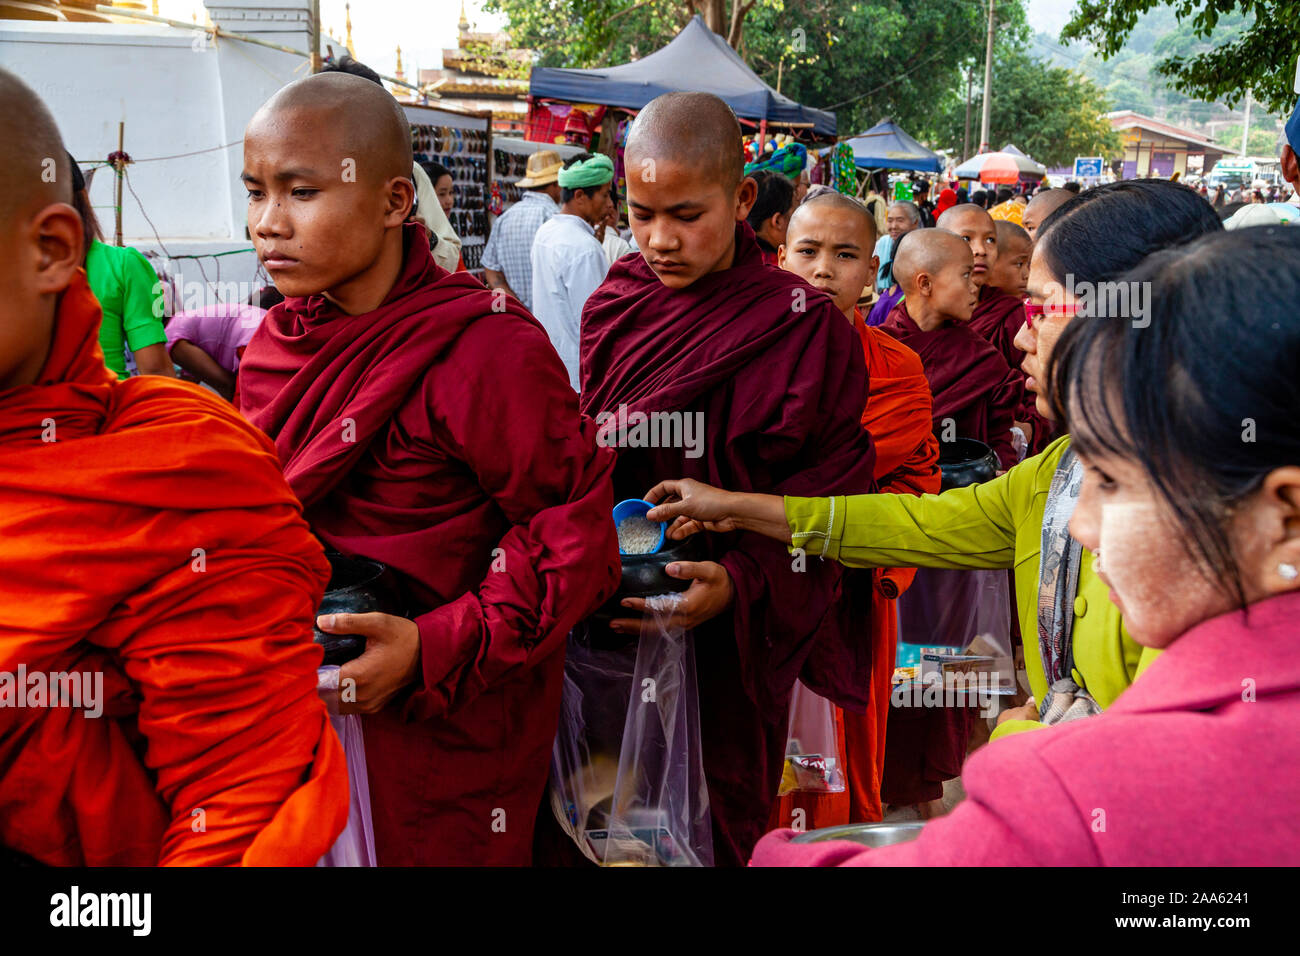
357, 586
965, 461
644, 576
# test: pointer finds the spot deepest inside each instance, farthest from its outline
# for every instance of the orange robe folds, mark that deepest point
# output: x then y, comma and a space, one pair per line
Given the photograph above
898, 416
148, 543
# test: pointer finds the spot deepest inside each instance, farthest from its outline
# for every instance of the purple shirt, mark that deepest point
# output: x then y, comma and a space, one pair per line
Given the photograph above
220, 330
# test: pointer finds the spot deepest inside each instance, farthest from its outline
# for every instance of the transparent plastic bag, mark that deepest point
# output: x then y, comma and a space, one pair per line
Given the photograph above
950, 608
355, 846
627, 771
813, 762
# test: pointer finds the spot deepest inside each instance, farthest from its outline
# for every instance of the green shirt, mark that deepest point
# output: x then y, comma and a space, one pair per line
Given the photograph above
131, 299
997, 524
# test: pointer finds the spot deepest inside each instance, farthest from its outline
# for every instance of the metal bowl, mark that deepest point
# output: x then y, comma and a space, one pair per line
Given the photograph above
868, 834
357, 586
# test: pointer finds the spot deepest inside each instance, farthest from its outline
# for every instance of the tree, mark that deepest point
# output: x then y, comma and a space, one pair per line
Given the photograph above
591, 33
1248, 45
1053, 114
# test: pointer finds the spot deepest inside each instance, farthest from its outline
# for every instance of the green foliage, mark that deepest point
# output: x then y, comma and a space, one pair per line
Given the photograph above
1051, 113
1226, 48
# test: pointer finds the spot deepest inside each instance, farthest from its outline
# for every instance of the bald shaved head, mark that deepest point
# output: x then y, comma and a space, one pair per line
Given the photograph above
34, 168
697, 129
927, 251
1041, 206
953, 219
1011, 236
360, 118
823, 202
327, 165
933, 267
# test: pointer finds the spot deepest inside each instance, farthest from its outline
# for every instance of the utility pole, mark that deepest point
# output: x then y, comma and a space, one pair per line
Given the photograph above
119, 166
988, 84
1245, 130
315, 36
965, 140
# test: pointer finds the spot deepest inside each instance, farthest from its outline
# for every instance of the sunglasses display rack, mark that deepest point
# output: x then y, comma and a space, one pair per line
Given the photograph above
510, 164
463, 144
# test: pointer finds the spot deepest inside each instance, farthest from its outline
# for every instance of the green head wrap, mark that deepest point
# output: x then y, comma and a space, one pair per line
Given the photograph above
587, 173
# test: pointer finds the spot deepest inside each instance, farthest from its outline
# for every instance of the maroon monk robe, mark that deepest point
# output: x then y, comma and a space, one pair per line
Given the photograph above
440, 436
779, 380
970, 380
997, 319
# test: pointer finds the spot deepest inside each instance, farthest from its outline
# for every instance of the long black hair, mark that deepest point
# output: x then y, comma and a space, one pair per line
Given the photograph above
1104, 232
1204, 398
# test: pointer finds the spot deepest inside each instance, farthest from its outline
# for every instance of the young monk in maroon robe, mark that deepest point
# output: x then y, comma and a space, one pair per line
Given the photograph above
697, 324
973, 387
426, 423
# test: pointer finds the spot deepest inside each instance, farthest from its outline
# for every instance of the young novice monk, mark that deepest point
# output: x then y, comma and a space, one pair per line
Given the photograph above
972, 386
155, 568
428, 424
998, 315
698, 326
1010, 272
829, 243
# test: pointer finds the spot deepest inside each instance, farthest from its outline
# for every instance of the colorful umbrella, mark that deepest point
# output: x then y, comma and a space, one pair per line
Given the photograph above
998, 168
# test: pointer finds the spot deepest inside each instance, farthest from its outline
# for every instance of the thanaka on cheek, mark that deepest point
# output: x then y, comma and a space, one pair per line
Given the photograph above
1156, 584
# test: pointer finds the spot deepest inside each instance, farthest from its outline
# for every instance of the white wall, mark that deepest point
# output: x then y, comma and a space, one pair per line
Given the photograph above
177, 92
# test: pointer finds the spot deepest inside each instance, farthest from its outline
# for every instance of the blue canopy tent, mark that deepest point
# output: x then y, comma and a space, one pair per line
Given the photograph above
886, 146
696, 59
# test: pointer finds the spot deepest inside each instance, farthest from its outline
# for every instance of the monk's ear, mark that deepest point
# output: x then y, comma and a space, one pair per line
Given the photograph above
398, 201
875, 270
1290, 165
780, 255
746, 196
924, 283
60, 241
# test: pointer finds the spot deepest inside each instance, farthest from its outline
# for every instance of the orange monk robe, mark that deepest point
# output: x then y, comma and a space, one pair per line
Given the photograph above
898, 415
148, 537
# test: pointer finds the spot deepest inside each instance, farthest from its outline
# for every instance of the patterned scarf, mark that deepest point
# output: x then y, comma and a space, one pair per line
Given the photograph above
1058, 582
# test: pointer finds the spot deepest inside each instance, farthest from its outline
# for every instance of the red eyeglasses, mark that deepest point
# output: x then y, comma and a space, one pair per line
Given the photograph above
1033, 311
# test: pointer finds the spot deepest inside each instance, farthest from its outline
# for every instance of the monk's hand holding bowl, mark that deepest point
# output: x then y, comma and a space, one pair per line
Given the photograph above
389, 663
710, 594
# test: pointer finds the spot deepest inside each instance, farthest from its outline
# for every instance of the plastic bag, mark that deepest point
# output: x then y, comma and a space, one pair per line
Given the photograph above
949, 608
812, 751
356, 844
627, 770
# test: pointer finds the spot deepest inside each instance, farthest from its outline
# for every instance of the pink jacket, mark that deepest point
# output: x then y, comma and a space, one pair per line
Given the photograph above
1196, 764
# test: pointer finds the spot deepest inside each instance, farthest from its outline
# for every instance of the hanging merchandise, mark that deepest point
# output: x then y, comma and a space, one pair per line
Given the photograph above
844, 171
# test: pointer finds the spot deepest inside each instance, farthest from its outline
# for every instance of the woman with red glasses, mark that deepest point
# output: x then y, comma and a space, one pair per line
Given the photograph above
1083, 657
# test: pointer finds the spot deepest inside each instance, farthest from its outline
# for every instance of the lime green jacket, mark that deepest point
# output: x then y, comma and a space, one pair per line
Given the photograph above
997, 524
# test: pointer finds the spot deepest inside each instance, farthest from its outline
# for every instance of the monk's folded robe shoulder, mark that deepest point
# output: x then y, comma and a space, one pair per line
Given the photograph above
184, 565
513, 420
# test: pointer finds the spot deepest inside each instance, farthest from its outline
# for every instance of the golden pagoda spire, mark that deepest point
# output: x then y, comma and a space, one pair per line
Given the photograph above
348, 42
463, 25
399, 74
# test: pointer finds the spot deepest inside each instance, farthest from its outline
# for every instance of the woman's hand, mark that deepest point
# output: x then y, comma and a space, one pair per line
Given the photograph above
692, 506
710, 594
390, 661
1028, 712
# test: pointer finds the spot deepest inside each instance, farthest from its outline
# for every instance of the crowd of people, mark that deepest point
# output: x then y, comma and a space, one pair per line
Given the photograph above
169, 541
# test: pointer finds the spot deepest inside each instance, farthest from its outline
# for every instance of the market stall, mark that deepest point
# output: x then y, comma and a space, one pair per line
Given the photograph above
887, 146
462, 142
